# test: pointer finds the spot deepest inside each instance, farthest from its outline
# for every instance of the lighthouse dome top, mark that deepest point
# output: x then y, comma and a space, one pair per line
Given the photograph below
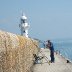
23, 17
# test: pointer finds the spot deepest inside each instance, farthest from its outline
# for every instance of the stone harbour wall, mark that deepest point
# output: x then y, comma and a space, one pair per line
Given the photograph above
16, 52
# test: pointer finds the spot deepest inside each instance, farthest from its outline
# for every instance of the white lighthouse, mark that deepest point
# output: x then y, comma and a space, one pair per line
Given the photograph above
24, 26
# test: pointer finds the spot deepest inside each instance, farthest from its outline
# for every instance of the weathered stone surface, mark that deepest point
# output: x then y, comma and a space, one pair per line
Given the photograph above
16, 52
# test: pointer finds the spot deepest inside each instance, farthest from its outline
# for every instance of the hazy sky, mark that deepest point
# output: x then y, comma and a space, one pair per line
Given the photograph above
48, 19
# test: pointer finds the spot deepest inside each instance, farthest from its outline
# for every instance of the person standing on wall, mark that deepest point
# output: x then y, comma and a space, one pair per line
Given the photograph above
51, 47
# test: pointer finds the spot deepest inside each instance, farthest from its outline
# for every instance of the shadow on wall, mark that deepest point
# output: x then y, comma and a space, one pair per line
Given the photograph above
16, 52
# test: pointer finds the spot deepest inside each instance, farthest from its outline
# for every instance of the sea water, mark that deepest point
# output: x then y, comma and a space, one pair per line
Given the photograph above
64, 48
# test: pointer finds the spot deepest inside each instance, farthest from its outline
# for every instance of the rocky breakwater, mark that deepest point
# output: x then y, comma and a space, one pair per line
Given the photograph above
16, 52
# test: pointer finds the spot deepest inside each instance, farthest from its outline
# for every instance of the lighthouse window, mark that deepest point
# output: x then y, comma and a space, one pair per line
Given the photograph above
23, 21
24, 31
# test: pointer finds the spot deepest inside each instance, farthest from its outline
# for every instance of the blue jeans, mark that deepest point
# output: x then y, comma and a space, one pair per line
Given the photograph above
52, 55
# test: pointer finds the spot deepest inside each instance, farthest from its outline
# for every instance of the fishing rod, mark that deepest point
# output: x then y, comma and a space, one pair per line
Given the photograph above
46, 58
